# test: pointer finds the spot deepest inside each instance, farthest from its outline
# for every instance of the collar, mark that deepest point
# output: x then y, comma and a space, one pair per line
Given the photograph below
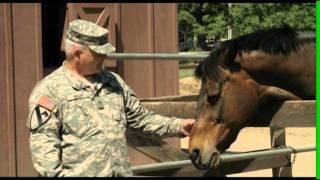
98, 80
74, 81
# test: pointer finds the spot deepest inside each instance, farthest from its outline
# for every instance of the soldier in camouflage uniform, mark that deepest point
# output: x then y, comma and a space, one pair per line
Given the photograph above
79, 113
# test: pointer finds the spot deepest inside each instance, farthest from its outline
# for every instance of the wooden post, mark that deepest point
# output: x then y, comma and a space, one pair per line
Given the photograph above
7, 127
278, 138
27, 49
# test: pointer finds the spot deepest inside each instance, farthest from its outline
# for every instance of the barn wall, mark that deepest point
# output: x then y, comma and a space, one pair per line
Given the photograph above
148, 28
27, 60
141, 27
7, 127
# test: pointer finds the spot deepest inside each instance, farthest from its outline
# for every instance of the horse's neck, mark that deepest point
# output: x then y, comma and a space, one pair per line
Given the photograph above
295, 73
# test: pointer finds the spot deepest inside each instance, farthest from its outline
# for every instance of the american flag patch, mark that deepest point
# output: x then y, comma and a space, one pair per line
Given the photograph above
46, 103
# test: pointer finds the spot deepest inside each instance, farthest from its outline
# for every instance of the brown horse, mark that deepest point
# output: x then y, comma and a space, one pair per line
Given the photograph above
239, 76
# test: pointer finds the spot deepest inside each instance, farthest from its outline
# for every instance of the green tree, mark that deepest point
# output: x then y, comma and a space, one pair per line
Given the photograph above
210, 20
248, 17
186, 25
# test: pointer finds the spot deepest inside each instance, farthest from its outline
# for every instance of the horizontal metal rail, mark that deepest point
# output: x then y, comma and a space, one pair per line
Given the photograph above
159, 56
226, 157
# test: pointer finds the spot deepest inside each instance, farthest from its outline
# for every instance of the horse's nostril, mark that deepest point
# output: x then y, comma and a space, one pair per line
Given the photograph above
195, 154
215, 156
215, 159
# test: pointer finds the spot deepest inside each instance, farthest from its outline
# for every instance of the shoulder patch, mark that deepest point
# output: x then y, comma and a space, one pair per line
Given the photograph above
38, 117
46, 103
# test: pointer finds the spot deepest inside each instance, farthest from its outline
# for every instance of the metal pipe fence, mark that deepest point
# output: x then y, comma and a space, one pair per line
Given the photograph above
192, 56
226, 157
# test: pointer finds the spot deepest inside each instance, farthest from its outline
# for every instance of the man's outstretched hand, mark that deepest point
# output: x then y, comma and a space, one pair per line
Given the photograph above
186, 126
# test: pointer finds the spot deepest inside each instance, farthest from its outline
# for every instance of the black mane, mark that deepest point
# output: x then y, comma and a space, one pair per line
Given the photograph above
272, 41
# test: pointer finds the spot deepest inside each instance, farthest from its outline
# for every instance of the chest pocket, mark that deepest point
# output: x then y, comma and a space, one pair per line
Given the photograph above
114, 108
76, 118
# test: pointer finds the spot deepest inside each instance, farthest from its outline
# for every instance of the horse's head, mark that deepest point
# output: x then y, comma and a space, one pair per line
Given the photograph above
229, 98
226, 104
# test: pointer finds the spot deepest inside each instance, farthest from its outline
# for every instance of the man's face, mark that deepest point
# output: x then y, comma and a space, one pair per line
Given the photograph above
90, 61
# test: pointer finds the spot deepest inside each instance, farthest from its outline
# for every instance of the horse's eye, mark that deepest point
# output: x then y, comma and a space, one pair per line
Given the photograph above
213, 99
218, 120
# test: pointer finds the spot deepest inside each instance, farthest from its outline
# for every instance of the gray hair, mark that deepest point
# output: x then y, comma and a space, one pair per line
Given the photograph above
70, 46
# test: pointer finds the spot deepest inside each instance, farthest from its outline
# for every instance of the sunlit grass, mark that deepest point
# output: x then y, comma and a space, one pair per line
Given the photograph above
183, 73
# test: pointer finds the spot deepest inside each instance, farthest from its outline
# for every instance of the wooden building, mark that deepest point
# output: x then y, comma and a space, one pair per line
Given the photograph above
30, 47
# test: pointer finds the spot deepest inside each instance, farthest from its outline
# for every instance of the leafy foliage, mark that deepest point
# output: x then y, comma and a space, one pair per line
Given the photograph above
204, 21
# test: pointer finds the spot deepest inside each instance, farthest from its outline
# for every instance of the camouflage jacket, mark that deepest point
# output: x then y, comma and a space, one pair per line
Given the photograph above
77, 131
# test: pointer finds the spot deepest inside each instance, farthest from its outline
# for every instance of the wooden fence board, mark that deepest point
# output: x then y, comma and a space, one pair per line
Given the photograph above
276, 115
155, 148
287, 114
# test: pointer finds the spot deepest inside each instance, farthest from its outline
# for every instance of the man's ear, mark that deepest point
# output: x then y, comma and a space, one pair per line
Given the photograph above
77, 52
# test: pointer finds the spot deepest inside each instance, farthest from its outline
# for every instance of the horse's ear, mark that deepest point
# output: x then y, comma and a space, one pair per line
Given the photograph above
228, 60
212, 87
272, 92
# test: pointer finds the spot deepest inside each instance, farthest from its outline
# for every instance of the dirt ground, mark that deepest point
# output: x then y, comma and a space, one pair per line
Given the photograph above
305, 163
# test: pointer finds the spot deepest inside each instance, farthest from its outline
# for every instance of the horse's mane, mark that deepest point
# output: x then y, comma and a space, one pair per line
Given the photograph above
272, 41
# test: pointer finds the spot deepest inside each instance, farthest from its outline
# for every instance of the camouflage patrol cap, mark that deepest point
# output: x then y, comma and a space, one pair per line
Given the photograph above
91, 35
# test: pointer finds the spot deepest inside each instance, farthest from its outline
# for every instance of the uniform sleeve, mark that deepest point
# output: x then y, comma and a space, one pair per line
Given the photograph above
44, 137
149, 122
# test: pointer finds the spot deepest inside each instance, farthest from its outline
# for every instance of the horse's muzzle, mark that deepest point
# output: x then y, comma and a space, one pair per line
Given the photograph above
203, 161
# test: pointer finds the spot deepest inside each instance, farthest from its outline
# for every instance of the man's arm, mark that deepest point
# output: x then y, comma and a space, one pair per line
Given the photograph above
44, 135
149, 122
